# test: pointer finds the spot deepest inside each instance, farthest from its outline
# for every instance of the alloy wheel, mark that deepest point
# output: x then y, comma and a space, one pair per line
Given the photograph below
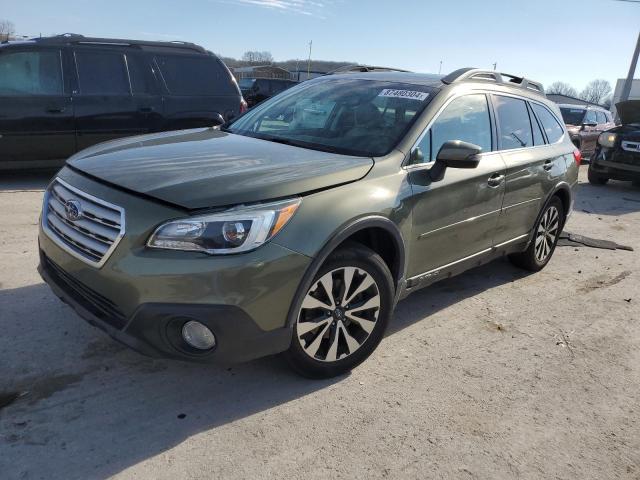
338, 314
548, 230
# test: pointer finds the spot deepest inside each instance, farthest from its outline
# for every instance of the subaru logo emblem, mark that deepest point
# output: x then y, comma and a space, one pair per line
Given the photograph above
73, 210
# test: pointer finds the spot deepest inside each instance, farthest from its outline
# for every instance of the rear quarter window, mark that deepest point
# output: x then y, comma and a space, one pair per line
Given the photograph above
194, 75
549, 123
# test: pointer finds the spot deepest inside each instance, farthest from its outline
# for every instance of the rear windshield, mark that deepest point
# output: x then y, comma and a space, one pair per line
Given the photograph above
195, 75
572, 116
246, 83
347, 116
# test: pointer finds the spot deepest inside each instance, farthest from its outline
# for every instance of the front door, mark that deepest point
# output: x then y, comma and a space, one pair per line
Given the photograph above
455, 217
36, 114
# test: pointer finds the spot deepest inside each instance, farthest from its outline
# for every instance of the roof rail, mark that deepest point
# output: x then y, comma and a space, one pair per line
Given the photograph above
73, 38
357, 68
476, 74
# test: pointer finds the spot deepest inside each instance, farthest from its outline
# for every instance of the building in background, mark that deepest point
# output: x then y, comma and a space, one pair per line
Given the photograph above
261, 71
566, 99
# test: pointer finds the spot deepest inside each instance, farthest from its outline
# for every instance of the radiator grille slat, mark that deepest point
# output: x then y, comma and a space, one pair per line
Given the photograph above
93, 233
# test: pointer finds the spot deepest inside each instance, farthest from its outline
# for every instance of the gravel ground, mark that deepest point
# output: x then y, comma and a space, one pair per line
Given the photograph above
492, 374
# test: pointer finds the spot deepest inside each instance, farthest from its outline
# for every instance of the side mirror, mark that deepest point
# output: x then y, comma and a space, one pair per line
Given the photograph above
459, 154
217, 120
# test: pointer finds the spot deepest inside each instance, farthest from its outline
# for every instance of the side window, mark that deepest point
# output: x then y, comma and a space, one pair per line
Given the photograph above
465, 118
538, 138
30, 73
590, 117
514, 127
191, 75
601, 117
549, 123
140, 74
102, 73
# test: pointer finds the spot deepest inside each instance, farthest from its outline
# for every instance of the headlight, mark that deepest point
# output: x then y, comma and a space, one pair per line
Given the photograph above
607, 139
232, 231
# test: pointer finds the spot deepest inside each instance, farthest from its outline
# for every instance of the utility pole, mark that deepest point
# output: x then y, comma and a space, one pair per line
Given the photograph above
495, 65
626, 89
440, 68
309, 60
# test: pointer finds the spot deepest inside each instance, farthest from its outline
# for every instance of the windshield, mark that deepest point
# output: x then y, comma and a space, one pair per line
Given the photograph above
572, 116
343, 115
246, 83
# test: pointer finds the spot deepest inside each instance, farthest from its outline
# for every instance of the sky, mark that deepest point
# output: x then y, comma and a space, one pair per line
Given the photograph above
573, 41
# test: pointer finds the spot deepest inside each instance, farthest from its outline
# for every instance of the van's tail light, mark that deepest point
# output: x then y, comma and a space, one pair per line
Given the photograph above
577, 156
243, 106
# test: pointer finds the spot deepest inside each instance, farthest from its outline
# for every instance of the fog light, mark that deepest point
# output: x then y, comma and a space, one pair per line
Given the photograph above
198, 335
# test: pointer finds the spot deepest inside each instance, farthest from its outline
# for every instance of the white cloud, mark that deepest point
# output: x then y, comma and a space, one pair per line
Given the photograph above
302, 7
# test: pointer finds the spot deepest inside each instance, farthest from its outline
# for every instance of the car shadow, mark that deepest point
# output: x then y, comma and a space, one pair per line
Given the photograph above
615, 198
25, 180
88, 407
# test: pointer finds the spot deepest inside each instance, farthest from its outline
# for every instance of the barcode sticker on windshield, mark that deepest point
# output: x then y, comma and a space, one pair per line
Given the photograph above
409, 94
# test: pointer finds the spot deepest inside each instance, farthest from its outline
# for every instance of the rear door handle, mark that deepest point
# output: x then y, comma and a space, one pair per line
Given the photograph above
145, 109
547, 165
495, 180
55, 110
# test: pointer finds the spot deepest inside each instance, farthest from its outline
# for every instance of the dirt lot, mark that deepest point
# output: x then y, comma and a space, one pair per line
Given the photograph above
493, 374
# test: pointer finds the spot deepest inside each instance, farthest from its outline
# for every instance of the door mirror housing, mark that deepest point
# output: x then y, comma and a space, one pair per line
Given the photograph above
459, 154
217, 120
417, 157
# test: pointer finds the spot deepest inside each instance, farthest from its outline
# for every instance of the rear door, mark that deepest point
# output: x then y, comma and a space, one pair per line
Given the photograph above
533, 163
36, 113
196, 88
145, 89
589, 132
104, 106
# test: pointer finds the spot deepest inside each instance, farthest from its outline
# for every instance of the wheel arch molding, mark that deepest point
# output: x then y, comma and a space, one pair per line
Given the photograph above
346, 232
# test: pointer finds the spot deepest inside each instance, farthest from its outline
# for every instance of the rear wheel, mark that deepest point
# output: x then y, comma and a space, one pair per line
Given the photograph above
343, 314
546, 233
595, 178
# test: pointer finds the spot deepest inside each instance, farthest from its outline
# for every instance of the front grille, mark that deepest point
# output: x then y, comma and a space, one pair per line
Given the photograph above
83, 225
97, 304
625, 157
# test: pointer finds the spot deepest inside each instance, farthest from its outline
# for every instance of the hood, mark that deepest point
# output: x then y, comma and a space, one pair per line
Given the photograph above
209, 168
629, 111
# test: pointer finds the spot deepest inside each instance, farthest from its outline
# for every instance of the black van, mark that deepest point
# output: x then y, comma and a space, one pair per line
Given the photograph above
256, 90
61, 94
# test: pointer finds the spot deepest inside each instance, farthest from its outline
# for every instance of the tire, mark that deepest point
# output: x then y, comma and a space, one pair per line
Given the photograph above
545, 238
595, 178
346, 334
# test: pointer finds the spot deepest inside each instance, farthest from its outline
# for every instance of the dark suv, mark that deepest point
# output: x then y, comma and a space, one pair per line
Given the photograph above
585, 124
61, 94
256, 90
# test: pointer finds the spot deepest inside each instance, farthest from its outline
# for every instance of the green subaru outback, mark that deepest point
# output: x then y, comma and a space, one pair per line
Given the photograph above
299, 226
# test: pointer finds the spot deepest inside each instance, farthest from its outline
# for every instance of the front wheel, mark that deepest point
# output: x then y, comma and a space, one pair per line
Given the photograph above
596, 178
343, 315
546, 234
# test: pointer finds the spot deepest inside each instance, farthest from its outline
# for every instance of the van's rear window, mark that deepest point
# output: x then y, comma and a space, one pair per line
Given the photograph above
197, 76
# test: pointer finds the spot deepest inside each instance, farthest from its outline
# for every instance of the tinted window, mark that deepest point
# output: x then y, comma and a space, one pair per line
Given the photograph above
140, 74
600, 117
342, 115
549, 123
201, 75
30, 73
102, 73
246, 83
538, 138
590, 117
514, 127
572, 116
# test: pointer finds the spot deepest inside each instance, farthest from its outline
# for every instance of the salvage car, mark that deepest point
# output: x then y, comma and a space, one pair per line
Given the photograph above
256, 90
300, 235
617, 155
61, 94
585, 124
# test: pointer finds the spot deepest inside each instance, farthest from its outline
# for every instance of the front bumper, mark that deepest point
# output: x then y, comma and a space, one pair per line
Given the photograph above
616, 164
142, 297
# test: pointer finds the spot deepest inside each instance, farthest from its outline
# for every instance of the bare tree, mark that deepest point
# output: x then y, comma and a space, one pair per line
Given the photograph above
7, 30
596, 91
257, 57
562, 88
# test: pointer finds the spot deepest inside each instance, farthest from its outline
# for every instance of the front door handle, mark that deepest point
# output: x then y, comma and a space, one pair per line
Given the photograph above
55, 109
547, 165
145, 109
495, 180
